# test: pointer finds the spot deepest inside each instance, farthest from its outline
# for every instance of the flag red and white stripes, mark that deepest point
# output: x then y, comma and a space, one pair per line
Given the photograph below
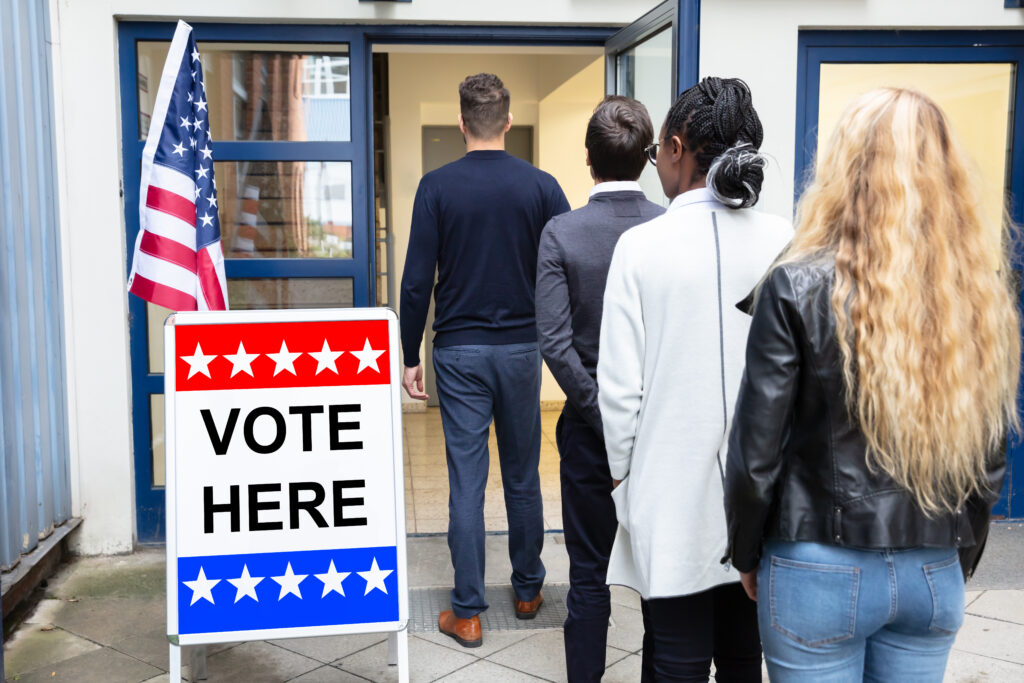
178, 261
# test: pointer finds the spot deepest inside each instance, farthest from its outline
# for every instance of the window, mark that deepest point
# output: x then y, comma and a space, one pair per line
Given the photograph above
325, 76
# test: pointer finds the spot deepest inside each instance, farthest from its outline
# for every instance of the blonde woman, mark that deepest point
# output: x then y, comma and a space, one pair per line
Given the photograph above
868, 442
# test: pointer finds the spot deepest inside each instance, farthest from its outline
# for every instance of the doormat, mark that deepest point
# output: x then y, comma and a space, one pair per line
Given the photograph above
426, 603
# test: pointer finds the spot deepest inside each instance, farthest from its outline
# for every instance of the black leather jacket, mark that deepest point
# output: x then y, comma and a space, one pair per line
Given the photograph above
796, 467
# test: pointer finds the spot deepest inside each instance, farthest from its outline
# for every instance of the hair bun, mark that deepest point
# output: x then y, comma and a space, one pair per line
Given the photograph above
735, 176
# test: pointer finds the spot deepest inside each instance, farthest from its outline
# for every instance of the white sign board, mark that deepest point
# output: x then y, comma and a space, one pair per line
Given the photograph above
285, 493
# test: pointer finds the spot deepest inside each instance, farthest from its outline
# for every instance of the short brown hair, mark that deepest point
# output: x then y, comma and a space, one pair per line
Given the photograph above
484, 101
619, 131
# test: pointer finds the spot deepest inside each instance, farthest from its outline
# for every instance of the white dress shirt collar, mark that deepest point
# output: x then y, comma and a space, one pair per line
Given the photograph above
616, 186
701, 195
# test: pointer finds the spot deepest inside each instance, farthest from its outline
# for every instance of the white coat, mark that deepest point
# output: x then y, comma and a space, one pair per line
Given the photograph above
671, 357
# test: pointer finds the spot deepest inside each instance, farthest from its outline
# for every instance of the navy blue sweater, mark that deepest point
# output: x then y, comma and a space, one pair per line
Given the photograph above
477, 221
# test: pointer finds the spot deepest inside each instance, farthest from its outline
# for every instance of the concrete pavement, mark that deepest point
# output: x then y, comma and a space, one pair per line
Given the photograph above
102, 619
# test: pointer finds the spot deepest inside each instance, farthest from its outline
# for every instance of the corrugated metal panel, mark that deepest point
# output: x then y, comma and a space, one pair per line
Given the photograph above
34, 494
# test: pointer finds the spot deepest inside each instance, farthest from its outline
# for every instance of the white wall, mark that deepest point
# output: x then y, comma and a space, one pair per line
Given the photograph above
93, 238
757, 41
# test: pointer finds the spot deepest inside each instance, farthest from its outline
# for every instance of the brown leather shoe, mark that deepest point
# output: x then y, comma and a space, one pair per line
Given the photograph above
466, 632
528, 609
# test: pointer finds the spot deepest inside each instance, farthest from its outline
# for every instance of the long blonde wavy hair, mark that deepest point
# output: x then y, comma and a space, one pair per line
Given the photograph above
923, 301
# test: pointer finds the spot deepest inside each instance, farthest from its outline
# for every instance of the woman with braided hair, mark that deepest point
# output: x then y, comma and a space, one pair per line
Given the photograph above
672, 348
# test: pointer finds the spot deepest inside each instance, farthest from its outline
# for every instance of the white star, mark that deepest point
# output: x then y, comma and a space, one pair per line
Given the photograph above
246, 584
202, 84
179, 149
332, 580
198, 362
185, 123
199, 191
198, 124
189, 96
285, 359
289, 583
195, 54
206, 152
367, 358
193, 75
213, 200
374, 577
202, 171
192, 142
201, 588
201, 105
207, 220
326, 359
241, 361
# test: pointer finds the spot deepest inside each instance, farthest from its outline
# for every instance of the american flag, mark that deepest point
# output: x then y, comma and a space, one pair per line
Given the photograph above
178, 260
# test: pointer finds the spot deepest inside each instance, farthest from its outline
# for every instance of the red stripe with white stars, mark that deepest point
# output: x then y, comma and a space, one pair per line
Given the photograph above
273, 355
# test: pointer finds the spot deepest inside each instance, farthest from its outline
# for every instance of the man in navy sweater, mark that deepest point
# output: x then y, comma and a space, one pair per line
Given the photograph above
477, 222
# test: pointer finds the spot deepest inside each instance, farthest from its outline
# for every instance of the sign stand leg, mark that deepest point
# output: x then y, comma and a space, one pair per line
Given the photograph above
197, 660
175, 674
398, 653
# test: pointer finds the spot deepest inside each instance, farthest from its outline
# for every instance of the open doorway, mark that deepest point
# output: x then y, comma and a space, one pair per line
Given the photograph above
554, 91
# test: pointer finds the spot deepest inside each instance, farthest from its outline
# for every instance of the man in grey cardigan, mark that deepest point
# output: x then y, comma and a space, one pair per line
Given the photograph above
575, 253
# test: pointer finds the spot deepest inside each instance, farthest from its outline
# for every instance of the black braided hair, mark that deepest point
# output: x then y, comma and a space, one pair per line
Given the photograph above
716, 120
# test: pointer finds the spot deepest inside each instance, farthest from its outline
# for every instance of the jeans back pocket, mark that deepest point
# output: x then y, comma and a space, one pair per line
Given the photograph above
813, 604
946, 583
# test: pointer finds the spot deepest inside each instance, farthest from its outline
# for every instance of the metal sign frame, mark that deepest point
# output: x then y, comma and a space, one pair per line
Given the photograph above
173, 584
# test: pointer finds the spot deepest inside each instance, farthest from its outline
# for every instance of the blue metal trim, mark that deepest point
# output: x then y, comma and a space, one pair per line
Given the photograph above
149, 501
981, 46
457, 34
362, 182
298, 267
262, 150
688, 54
371, 212
437, 34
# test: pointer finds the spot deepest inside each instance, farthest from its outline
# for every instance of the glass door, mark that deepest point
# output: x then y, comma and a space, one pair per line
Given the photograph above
975, 76
287, 118
641, 62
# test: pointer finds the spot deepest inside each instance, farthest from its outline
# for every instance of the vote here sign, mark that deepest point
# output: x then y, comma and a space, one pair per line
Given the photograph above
285, 505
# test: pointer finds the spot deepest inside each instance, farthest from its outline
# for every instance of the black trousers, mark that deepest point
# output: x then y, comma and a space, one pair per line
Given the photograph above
589, 522
682, 635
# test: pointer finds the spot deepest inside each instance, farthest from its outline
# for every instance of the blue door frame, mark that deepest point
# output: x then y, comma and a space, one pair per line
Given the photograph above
360, 39
818, 47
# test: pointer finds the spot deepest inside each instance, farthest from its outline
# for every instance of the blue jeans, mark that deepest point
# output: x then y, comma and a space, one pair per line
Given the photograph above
475, 384
832, 614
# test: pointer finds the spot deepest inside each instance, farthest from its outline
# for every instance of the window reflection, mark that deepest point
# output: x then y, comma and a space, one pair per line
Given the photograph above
295, 292
285, 209
262, 91
644, 72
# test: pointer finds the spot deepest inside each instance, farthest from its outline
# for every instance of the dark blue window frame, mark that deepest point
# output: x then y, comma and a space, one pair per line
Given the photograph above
150, 507
818, 47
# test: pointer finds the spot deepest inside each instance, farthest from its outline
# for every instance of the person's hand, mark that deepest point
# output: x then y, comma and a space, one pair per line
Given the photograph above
412, 380
749, 581
615, 483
